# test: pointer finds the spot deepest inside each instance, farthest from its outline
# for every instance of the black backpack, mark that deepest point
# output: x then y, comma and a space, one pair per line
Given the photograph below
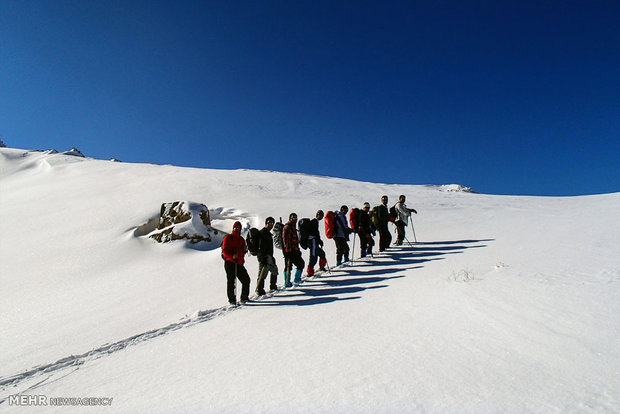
277, 235
393, 213
253, 241
304, 232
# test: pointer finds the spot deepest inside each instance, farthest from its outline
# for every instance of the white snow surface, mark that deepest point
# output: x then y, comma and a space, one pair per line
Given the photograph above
505, 304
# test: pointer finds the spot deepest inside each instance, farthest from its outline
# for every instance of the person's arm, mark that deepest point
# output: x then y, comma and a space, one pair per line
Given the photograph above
403, 211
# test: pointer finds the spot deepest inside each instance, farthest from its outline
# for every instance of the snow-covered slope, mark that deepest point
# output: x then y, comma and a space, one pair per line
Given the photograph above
507, 304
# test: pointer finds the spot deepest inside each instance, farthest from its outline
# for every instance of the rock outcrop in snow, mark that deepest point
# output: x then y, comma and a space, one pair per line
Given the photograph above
456, 188
185, 220
74, 151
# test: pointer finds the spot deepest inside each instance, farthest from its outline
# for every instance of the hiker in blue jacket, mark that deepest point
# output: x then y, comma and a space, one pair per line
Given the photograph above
341, 235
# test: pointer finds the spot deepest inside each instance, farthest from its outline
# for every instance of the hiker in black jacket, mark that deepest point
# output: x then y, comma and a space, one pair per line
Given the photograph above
383, 218
364, 231
266, 261
315, 245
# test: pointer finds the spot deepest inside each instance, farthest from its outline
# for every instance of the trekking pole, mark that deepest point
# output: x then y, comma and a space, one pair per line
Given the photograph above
353, 252
413, 228
407, 240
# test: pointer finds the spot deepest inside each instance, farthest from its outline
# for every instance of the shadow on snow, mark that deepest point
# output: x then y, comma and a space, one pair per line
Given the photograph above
350, 279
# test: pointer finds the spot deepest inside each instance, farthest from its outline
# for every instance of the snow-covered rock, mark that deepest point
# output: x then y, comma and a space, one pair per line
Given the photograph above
74, 151
456, 188
185, 220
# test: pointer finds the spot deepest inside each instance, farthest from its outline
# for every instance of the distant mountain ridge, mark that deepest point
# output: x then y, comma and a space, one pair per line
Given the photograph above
450, 188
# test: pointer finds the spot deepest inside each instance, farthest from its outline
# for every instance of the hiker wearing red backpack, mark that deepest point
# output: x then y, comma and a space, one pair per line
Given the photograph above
292, 254
402, 217
234, 250
341, 235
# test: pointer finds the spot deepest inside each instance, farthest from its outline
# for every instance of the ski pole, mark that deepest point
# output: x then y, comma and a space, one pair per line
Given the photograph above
407, 240
413, 228
235, 279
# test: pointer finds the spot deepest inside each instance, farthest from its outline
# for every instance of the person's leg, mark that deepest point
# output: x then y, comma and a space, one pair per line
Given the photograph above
230, 282
244, 278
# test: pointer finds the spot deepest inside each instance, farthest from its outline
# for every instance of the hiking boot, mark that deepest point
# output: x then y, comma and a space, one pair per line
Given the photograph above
322, 263
260, 292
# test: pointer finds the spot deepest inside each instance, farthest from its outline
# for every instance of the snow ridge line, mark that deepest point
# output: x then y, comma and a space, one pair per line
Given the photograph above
107, 349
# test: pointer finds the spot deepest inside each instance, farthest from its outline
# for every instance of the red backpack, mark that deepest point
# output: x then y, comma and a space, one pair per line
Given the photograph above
330, 224
353, 218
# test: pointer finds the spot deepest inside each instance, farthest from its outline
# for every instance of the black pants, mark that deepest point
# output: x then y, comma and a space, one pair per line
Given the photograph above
385, 238
342, 249
366, 241
293, 258
400, 228
236, 271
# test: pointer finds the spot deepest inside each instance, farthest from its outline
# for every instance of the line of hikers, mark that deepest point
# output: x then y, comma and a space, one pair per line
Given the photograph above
293, 235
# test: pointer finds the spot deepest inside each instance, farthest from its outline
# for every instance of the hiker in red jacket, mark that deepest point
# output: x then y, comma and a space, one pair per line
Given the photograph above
234, 250
292, 254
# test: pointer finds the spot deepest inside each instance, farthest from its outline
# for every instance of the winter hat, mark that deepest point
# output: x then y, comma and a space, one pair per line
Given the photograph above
237, 224
366, 205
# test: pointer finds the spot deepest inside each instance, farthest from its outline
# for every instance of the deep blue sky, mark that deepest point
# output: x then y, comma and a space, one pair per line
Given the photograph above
508, 97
